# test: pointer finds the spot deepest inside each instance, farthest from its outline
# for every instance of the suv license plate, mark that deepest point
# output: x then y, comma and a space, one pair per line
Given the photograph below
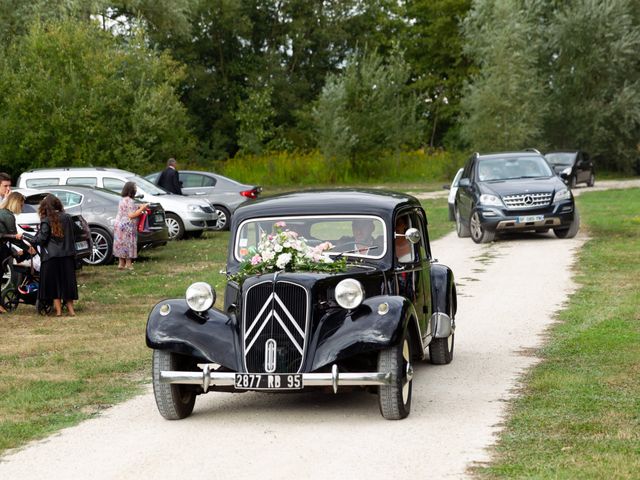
530, 218
82, 245
268, 381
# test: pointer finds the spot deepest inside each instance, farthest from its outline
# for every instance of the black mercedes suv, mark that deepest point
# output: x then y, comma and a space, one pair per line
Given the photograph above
512, 191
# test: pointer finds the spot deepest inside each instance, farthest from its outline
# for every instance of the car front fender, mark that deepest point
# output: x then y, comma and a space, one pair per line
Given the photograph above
370, 327
212, 336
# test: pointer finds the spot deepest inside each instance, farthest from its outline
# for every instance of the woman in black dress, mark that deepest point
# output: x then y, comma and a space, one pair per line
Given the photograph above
57, 253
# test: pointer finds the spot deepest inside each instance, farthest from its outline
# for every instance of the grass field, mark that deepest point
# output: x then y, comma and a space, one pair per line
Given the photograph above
579, 413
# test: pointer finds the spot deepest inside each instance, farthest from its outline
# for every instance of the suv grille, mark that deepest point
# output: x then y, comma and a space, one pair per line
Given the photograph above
527, 200
275, 313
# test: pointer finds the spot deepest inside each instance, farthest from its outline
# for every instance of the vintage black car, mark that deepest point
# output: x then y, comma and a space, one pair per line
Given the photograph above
302, 313
512, 191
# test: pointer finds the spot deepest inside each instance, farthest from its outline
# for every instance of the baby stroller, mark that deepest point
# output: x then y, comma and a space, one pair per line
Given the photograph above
26, 272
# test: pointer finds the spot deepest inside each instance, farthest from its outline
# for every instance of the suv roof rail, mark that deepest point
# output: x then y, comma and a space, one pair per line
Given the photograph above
532, 150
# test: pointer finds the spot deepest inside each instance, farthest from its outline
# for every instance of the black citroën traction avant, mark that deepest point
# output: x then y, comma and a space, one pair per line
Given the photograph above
326, 289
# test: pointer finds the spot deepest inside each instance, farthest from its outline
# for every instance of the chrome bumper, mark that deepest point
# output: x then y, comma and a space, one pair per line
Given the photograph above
209, 378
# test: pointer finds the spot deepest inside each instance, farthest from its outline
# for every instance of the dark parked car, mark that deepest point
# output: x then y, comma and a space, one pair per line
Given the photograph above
100, 207
223, 193
513, 191
302, 313
574, 167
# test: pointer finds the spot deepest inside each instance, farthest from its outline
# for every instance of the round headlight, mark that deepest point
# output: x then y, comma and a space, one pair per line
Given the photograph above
349, 293
200, 296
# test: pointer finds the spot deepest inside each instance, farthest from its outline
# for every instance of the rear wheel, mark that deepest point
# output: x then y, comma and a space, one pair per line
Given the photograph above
572, 231
102, 247
8, 275
174, 401
441, 349
175, 226
478, 233
395, 399
461, 229
9, 299
44, 307
224, 217
592, 180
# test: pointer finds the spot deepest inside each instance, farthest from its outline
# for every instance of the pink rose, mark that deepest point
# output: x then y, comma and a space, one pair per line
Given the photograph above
280, 224
256, 259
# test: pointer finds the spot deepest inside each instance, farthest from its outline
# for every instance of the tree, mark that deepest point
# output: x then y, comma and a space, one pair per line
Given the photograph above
505, 103
594, 72
72, 94
367, 111
434, 44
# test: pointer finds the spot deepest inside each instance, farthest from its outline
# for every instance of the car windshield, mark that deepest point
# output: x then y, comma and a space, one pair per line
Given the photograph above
492, 169
361, 236
561, 158
146, 186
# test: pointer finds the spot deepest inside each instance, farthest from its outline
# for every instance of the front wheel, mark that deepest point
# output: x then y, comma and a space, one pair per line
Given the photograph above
478, 233
175, 226
9, 299
572, 231
174, 401
461, 229
395, 398
592, 180
223, 217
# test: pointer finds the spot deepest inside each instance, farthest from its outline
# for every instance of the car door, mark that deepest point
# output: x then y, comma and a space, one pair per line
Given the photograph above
412, 271
465, 193
197, 184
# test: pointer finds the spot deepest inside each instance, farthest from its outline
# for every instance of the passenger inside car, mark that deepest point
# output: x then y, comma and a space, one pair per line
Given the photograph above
404, 252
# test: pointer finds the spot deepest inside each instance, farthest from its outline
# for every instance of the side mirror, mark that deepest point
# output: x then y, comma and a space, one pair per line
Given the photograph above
139, 196
413, 235
564, 176
464, 182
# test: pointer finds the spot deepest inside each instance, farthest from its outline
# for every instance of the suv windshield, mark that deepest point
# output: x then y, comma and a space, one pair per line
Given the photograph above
146, 186
561, 158
351, 235
512, 167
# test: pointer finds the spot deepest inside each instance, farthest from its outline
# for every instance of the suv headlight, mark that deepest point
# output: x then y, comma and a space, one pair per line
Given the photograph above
490, 200
349, 293
200, 296
563, 194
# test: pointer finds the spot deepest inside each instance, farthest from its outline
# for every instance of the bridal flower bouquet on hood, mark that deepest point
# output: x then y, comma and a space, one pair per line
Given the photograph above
285, 250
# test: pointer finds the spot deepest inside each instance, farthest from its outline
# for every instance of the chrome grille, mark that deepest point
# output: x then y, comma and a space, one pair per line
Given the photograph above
527, 200
275, 313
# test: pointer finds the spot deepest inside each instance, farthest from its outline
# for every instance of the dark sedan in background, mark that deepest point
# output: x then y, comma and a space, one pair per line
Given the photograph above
573, 167
223, 193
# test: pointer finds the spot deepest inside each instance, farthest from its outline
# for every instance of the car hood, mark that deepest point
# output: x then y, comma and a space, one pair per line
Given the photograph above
520, 186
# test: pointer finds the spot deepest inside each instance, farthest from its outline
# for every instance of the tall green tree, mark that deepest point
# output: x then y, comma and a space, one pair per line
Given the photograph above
434, 48
505, 104
73, 94
367, 111
594, 80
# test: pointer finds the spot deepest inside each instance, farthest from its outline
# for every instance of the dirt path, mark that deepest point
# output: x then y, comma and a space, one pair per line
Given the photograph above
508, 293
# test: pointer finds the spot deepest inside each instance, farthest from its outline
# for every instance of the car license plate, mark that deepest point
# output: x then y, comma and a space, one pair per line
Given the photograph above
159, 218
82, 245
530, 218
268, 381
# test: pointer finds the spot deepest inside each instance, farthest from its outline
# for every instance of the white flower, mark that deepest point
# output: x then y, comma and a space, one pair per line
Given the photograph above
277, 247
268, 255
283, 260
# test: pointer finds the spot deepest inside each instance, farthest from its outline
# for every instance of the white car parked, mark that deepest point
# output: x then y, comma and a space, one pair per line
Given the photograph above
184, 215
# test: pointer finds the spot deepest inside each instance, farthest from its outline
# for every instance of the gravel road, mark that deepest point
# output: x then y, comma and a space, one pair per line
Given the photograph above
509, 292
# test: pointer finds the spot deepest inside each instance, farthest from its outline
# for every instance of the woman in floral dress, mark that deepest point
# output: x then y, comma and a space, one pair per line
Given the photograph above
125, 231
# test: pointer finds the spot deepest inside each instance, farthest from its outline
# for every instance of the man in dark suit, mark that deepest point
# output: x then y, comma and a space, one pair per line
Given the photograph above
169, 179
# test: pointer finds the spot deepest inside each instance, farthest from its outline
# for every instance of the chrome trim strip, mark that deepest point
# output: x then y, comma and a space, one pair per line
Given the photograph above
512, 224
333, 379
